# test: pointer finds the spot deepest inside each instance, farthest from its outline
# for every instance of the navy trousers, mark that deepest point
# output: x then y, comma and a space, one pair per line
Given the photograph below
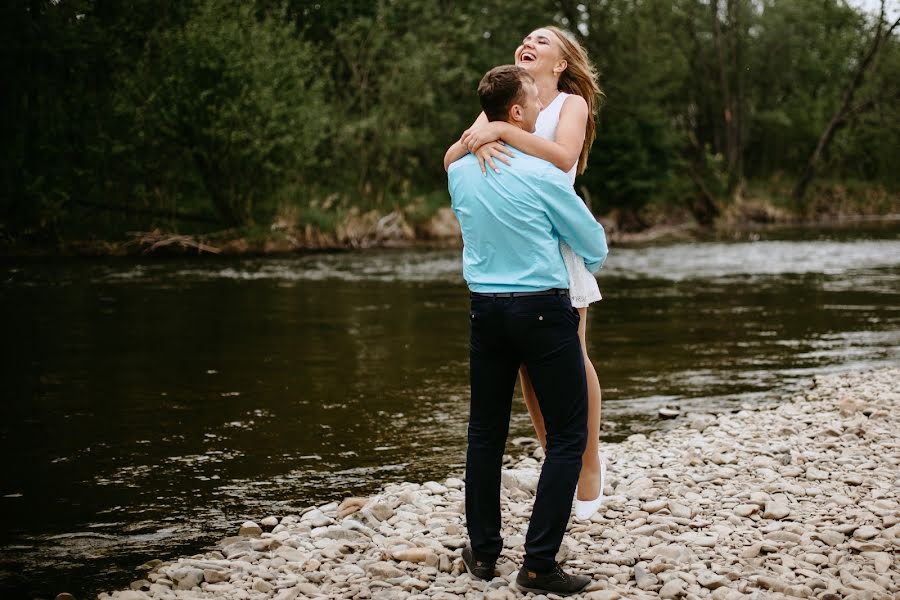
540, 332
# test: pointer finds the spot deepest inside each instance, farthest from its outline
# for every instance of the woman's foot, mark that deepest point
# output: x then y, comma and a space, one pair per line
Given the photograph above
589, 495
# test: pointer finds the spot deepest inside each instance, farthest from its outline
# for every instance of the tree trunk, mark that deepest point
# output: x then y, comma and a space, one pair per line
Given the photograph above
569, 9
703, 208
731, 86
735, 134
234, 212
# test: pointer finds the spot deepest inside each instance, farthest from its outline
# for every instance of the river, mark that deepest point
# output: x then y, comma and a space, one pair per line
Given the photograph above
151, 406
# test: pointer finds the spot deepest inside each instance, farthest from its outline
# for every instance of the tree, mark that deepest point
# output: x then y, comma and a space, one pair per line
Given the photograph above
236, 97
730, 32
847, 109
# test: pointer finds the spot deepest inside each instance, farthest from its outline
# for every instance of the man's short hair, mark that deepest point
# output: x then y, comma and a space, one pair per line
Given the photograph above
500, 88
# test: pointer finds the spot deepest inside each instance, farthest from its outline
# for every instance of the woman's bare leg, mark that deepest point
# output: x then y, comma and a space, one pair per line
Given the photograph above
534, 409
589, 480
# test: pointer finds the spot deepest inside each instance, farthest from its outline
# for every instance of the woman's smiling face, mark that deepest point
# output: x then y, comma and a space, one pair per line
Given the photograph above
539, 52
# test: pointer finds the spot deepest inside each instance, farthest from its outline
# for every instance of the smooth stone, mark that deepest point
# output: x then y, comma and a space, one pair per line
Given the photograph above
434, 487
784, 536
383, 570
866, 532
454, 483
454, 543
776, 511
250, 529
596, 595
745, 510
724, 593
703, 541
644, 579
269, 523
815, 558
654, 506
186, 579
711, 580
675, 552
382, 512
523, 479
214, 576
829, 537
673, 589
151, 564
617, 559
814, 474
679, 510
444, 563
416, 555
882, 562
317, 518
351, 505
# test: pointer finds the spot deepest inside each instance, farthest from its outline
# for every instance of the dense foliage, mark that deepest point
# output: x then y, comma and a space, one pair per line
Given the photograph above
224, 111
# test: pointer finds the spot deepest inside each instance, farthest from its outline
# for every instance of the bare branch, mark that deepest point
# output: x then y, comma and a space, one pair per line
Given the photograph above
869, 103
845, 110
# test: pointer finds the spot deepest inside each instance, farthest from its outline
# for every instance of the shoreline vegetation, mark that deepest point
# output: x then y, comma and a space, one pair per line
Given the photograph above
794, 498
289, 231
279, 125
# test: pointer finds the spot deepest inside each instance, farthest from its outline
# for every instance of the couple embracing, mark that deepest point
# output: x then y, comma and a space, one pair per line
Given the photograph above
530, 248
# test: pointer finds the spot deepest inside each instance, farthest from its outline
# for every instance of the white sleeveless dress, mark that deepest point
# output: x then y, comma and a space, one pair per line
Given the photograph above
583, 288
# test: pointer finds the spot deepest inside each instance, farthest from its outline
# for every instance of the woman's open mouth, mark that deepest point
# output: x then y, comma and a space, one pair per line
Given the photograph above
527, 57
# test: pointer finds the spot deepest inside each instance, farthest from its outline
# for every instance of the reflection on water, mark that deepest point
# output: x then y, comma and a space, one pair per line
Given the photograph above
678, 262
153, 406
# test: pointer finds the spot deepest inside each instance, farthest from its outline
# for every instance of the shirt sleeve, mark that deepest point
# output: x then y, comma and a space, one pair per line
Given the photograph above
572, 220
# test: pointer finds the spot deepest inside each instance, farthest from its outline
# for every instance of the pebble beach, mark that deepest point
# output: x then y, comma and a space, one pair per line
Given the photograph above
796, 498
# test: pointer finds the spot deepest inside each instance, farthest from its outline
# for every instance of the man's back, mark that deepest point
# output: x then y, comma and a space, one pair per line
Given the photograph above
512, 223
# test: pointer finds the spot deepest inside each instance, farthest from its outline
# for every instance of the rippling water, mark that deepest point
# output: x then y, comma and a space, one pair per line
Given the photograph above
151, 406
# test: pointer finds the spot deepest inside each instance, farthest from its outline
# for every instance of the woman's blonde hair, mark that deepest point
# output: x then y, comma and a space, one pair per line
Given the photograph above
580, 77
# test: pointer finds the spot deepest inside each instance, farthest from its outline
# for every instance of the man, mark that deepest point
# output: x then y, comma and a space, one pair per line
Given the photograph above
512, 223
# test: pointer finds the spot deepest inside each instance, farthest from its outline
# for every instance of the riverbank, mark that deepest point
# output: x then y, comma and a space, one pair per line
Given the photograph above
795, 499
423, 223
375, 230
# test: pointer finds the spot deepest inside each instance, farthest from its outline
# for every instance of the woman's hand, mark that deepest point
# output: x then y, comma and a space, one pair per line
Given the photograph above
486, 153
475, 137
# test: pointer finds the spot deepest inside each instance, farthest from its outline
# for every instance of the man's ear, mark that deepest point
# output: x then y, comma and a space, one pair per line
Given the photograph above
515, 113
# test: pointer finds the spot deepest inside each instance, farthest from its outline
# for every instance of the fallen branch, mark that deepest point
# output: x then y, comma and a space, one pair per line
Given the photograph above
152, 241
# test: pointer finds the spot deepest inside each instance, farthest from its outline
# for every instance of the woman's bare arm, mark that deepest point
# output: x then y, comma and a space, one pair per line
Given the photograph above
457, 150
562, 152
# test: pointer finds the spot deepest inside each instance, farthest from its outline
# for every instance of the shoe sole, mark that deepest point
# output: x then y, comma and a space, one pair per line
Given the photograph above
522, 588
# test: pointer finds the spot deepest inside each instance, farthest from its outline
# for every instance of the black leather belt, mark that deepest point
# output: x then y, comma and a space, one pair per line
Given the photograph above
553, 292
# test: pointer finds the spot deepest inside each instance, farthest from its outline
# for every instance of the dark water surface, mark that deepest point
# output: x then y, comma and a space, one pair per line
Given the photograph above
152, 406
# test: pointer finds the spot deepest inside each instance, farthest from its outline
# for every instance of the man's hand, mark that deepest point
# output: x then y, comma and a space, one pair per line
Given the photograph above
488, 152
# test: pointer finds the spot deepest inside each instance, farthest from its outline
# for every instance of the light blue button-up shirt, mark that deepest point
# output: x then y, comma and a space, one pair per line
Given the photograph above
512, 223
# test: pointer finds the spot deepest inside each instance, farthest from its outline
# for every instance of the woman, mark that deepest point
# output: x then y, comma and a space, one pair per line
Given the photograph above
569, 93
